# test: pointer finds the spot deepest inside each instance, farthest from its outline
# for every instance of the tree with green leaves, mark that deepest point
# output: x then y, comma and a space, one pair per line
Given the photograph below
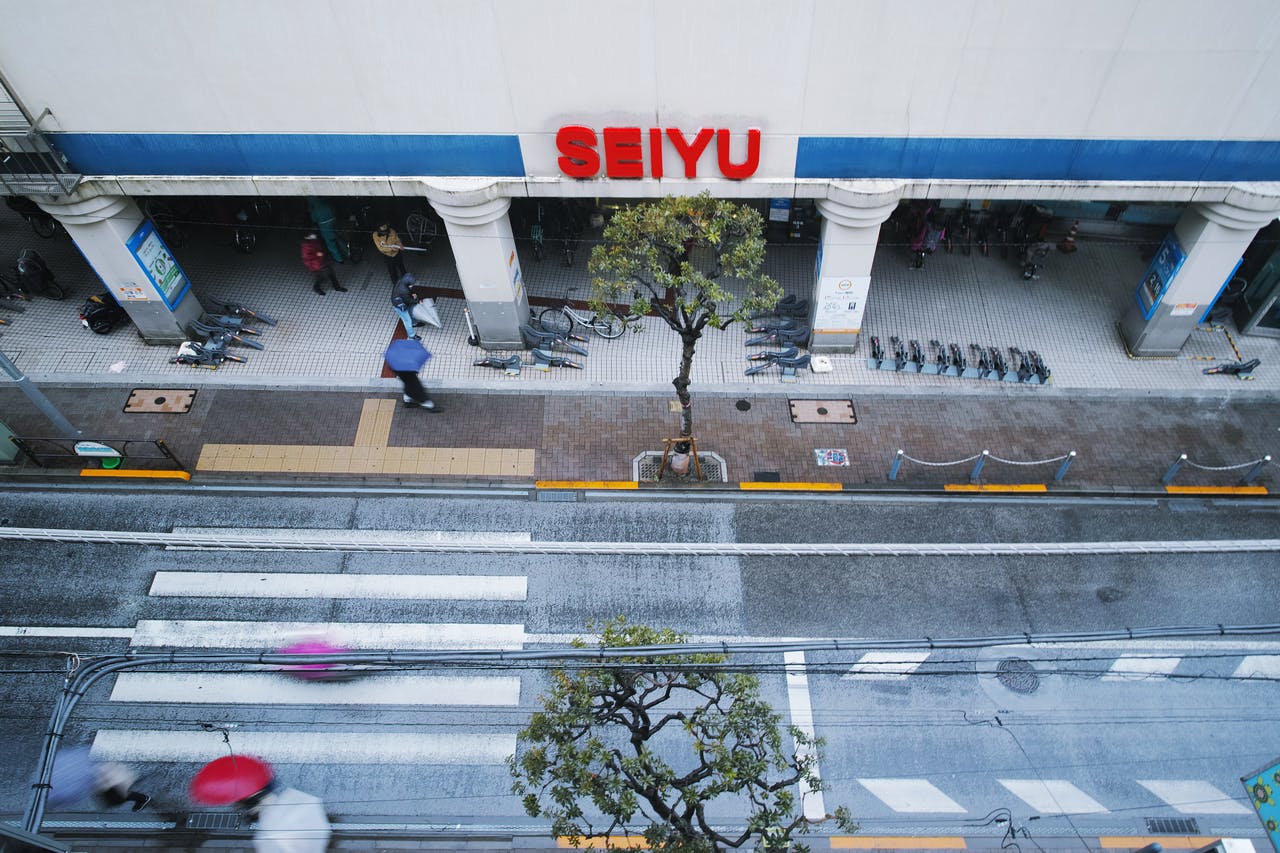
652, 743
693, 261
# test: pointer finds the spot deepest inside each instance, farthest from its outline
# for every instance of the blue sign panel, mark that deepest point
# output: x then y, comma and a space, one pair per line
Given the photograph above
158, 263
1262, 787
1155, 281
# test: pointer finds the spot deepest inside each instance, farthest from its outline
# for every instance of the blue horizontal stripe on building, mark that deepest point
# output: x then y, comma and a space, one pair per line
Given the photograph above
1038, 159
292, 154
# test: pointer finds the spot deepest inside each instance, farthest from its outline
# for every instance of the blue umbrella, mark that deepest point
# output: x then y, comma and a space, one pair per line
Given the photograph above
74, 776
406, 354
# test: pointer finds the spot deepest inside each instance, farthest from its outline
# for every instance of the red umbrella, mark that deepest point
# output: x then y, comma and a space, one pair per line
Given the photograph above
230, 779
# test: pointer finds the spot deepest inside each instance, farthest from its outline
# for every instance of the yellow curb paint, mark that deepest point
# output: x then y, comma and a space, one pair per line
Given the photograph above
1216, 490
623, 842
1133, 842
135, 473
897, 842
992, 487
585, 484
790, 487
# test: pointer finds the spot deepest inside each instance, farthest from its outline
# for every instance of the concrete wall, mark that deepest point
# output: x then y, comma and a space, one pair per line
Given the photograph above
1023, 89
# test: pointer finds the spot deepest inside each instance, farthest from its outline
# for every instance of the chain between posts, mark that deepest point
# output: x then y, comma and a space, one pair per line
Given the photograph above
981, 458
1255, 468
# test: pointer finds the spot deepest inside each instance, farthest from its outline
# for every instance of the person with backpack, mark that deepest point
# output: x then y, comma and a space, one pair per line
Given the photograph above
316, 259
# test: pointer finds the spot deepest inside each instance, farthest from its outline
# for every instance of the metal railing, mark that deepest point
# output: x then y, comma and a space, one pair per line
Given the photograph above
51, 452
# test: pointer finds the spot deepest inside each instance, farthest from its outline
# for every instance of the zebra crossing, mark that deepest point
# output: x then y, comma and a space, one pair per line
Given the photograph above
452, 699
1052, 796
1155, 665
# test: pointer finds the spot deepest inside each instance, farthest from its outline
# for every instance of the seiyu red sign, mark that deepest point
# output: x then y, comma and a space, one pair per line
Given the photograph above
626, 151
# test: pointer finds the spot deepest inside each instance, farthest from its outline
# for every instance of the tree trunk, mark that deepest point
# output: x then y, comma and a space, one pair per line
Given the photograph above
682, 381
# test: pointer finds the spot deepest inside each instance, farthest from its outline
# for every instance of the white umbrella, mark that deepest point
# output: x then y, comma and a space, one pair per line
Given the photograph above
290, 821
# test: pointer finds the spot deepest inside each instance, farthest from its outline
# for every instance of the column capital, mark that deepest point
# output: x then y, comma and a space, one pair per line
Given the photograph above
86, 208
1247, 207
467, 201
861, 204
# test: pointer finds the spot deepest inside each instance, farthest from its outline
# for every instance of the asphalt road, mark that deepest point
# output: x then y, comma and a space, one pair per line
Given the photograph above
916, 742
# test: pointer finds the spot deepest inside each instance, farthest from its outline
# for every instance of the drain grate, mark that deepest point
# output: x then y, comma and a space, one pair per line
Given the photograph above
1018, 675
1173, 825
645, 468
214, 821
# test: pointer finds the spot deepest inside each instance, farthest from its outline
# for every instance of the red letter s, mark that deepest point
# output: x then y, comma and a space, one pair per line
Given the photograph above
577, 144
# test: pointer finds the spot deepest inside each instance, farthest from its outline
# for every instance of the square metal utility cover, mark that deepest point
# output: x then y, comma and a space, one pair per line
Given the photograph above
823, 412
168, 400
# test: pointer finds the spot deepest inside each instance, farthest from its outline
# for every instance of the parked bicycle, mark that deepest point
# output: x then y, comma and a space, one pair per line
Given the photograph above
31, 274
41, 222
420, 229
561, 320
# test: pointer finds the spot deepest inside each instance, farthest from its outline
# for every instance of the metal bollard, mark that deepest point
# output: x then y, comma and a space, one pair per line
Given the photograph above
897, 464
1062, 469
977, 468
1255, 470
1173, 470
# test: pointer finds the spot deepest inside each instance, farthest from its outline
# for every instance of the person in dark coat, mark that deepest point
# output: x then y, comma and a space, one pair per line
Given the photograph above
316, 259
403, 300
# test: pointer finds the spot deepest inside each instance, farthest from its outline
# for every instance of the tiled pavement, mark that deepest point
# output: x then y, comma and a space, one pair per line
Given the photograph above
1126, 419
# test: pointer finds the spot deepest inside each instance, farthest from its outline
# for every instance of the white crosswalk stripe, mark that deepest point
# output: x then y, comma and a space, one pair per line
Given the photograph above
270, 688
1140, 667
325, 585
916, 796
309, 747
1258, 666
1191, 796
213, 634
887, 666
1053, 796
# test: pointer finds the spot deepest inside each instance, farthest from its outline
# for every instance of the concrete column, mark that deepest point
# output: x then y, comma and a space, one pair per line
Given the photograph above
1191, 269
116, 239
852, 214
484, 250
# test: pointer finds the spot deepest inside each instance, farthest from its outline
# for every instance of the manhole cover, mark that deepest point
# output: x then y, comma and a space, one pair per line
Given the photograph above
166, 400
742, 405
1018, 675
823, 412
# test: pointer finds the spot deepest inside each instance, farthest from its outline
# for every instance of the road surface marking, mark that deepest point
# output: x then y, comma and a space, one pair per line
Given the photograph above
1193, 797
306, 747
1139, 667
271, 688
325, 585
427, 537
1053, 796
64, 631
200, 634
898, 842
911, 795
1258, 666
802, 718
887, 666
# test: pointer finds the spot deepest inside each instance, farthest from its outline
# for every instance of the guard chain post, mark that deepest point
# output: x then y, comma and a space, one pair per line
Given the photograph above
981, 459
1255, 467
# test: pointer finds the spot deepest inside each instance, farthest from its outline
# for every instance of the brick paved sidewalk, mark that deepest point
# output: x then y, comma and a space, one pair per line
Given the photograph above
1123, 442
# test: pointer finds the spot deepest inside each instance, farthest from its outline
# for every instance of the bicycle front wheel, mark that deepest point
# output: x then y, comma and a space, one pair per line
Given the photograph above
555, 320
51, 289
44, 226
609, 326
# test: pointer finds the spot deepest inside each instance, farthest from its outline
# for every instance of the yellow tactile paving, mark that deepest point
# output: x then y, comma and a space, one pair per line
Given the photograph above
369, 455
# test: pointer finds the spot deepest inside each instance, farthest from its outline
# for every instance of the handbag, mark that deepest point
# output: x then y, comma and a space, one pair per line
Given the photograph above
425, 311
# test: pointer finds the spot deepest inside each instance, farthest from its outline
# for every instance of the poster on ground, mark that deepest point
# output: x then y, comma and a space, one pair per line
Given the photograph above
1263, 787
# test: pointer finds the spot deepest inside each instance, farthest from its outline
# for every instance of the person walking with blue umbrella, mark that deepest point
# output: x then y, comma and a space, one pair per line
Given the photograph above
405, 358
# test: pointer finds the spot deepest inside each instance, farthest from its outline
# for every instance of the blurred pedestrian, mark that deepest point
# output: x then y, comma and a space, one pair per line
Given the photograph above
403, 300
316, 259
323, 216
406, 358
76, 774
391, 247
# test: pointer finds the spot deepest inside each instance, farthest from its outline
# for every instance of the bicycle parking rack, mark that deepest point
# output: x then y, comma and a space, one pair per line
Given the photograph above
980, 460
1255, 468
988, 363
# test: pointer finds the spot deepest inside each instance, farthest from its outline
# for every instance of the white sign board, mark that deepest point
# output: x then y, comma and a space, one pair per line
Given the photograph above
841, 303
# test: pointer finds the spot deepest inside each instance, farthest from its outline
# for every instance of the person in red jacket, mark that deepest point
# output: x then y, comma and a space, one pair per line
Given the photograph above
316, 259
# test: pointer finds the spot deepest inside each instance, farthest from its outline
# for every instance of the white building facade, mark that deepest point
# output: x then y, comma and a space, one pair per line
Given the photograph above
469, 104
